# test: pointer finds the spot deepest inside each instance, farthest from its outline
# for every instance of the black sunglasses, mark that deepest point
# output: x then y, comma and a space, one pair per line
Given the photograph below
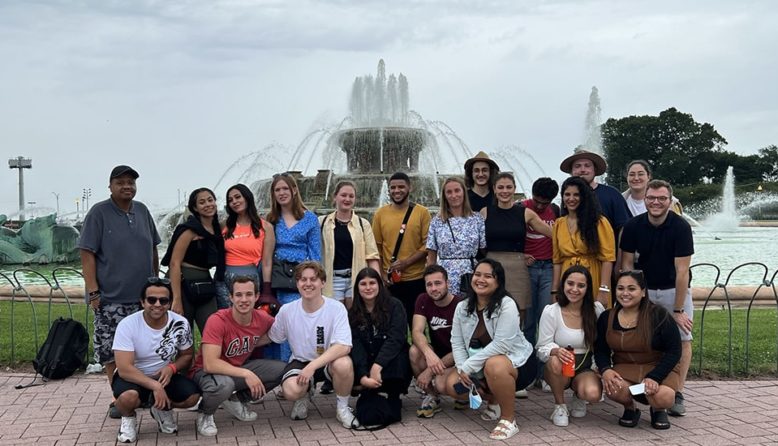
284, 174
154, 280
152, 300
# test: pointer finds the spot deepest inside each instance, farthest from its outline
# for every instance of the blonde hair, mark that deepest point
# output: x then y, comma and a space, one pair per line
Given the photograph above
445, 210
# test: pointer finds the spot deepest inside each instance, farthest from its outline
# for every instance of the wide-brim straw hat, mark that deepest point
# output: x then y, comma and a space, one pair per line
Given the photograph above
480, 156
599, 162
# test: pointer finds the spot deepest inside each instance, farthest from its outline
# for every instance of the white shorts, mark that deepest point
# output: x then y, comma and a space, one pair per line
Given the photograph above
666, 300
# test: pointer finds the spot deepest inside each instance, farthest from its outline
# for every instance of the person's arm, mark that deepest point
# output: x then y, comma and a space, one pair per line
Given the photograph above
396, 341
603, 294
458, 348
667, 340
176, 259
627, 261
371, 249
267, 250
546, 329
556, 258
432, 257
313, 237
89, 269
606, 256
602, 351
681, 288
534, 221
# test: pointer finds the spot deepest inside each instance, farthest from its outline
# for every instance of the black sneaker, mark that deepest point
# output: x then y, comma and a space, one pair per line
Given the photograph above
113, 412
326, 387
678, 409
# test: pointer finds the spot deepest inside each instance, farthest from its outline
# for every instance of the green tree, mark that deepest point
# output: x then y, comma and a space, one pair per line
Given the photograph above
679, 149
769, 159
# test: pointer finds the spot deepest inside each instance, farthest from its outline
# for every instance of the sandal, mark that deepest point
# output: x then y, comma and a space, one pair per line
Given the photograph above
631, 417
491, 413
504, 430
659, 419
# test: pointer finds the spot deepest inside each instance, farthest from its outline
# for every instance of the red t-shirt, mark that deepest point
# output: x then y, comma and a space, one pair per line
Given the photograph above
536, 244
237, 342
439, 319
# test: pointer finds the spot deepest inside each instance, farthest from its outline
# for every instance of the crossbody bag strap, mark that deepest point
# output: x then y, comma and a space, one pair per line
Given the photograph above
402, 231
472, 260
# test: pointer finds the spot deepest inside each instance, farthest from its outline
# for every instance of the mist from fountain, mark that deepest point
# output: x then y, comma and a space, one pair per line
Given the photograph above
592, 138
727, 219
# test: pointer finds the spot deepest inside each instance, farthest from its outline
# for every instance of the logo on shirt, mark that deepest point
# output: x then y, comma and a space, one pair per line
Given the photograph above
320, 340
241, 346
175, 334
438, 323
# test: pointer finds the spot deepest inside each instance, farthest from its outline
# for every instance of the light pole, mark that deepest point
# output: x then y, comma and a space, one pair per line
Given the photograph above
57, 196
86, 196
78, 211
20, 163
32, 204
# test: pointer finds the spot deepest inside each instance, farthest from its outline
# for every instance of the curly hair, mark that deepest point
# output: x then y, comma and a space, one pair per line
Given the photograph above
587, 213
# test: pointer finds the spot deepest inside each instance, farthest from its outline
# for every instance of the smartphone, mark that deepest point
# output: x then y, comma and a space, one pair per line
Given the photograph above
460, 387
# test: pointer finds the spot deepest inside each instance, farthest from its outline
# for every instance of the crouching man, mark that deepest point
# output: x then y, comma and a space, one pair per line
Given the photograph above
224, 369
319, 336
151, 346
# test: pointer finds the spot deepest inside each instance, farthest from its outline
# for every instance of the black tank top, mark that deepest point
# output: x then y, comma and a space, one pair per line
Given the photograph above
505, 229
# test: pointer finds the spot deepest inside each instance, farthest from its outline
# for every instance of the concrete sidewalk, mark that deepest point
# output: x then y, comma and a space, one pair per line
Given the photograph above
74, 411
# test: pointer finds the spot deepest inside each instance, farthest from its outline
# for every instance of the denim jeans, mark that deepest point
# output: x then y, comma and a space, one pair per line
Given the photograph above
540, 275
341, 286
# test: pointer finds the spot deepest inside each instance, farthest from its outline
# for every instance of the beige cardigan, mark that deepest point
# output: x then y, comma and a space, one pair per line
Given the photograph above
364, 246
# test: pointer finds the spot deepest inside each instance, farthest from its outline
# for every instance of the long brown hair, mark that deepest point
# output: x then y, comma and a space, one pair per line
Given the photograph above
358, 315
298, 208
588, 315
647, 310
445, 209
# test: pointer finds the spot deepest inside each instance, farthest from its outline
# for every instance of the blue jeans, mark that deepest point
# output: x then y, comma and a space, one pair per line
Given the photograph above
540, 275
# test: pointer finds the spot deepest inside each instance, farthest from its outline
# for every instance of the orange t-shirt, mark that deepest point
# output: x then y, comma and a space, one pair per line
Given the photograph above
243, 248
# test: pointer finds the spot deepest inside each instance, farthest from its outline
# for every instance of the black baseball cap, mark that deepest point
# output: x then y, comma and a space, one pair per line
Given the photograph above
124, 170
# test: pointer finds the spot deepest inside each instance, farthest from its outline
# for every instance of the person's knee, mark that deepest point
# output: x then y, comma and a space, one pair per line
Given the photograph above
341, 367
292, 390
129, 400
191, 401
554, 366
590, 392
496, 365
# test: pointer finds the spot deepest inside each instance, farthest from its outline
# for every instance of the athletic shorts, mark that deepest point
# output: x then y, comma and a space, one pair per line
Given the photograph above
178, 390
107, 318
296, 367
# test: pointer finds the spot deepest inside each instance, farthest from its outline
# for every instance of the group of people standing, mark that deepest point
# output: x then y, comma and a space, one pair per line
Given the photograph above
487, 287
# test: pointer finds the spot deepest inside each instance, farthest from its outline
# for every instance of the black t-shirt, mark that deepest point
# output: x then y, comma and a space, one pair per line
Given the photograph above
478, 202
656, 247
505, 229
344, 246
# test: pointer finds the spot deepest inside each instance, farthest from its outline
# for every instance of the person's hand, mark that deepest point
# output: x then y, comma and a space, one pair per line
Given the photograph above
375, 373
612, 382
305, 376
425, 379
161, 401
464, 378
369, 383
528, 259
165, 374
435, 363
683, 321
177, 307
564, 355
604, 298
651, 386
398, 265
255, 385
95, 302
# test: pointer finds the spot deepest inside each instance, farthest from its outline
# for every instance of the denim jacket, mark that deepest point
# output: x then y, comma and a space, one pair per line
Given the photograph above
502, 326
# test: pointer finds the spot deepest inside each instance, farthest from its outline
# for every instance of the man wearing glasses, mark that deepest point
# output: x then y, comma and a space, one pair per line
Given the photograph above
660, 243
151, 347
118, 245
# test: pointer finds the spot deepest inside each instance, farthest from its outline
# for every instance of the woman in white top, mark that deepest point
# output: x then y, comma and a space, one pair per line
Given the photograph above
638, 176
572, 321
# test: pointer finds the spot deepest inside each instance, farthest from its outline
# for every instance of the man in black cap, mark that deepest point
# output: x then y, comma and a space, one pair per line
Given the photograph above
118, 246
480, 172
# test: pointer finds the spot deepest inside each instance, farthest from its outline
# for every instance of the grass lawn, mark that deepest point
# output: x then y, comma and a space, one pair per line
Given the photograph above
762, 345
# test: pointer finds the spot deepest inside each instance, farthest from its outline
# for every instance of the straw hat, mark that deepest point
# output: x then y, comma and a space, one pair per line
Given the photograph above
480, 156
581, 153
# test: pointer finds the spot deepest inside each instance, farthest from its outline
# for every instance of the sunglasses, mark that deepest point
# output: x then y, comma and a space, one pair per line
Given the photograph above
635, 273
152, 300
154, 280
284, 174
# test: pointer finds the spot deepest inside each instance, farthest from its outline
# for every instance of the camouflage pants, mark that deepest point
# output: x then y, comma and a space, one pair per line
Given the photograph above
107, 317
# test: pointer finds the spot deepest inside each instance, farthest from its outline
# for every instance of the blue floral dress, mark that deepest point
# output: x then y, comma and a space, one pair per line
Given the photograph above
456, 244
298, 243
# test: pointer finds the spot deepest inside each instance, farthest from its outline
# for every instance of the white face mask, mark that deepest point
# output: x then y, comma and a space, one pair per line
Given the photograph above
475, 397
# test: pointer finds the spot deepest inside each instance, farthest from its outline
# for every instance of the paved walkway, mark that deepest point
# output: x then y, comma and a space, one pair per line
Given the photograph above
73, 411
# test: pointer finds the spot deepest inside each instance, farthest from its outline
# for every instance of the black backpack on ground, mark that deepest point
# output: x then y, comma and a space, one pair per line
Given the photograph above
63, 352
374, 411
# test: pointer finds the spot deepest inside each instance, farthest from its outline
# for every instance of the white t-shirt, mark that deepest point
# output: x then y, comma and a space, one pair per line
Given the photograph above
636, 207
310, 334
153, 349
553, 333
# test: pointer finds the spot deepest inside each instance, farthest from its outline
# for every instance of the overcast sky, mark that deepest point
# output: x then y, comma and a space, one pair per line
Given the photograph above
181, 89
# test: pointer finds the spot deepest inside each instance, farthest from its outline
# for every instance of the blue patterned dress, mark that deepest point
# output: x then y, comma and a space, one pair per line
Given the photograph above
298, 243
457, 244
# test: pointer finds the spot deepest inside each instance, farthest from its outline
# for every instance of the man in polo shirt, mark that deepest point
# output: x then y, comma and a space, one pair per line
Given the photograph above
118, 245
660, 243
480, 174
432, 361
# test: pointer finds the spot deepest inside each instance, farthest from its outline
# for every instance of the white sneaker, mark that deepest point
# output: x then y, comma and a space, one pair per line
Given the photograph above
165, 420
128, 432
559, 417
205, 425
522, 393
346, 417
544, 386
577, 407
491, 413
239, 410
300, 409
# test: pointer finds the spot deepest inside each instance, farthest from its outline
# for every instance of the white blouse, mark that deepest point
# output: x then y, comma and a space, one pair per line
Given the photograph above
553, 332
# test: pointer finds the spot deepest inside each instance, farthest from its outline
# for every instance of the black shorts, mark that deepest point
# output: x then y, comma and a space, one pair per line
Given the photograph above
295, 367
178, 390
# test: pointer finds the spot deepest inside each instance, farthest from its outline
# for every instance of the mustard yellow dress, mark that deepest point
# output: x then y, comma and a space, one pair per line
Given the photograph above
570, 249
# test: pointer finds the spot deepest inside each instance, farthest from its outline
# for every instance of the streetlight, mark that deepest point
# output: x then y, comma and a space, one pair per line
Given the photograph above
77, 209
57, 196
86, 196
758, 204
32, 204
20, 163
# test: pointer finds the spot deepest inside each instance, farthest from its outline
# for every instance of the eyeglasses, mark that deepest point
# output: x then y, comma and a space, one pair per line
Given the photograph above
154, 280
650, 198
152, 300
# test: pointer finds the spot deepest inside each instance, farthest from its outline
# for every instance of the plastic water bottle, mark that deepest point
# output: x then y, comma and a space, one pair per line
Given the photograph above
568, 368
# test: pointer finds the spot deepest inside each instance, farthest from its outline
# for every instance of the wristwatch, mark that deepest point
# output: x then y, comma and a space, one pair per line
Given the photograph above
678, 310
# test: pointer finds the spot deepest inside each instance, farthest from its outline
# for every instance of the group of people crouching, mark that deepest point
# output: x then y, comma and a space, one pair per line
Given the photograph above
474, 351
